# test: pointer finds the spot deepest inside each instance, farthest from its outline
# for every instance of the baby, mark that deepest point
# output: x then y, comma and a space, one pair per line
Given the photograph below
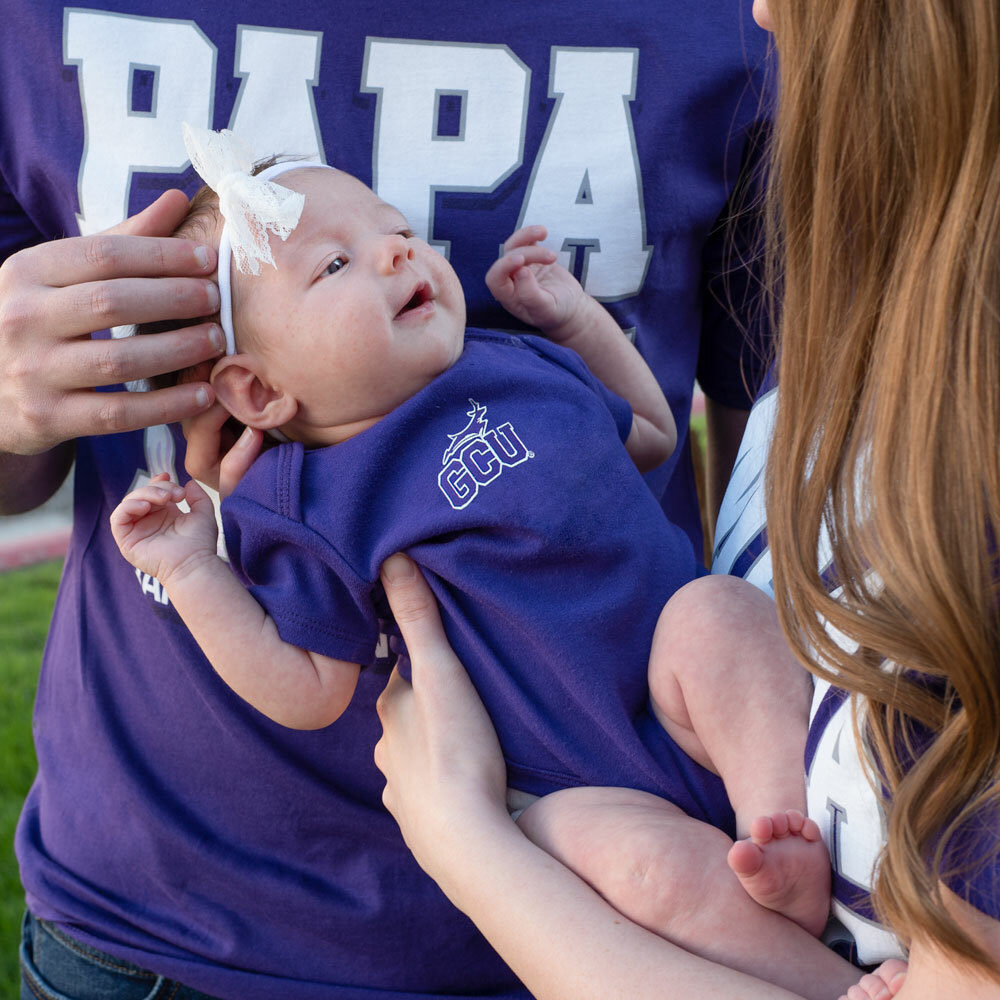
511, 474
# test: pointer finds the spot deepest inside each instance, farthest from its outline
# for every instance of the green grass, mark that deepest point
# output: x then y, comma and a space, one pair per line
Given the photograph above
698, 429
26, 598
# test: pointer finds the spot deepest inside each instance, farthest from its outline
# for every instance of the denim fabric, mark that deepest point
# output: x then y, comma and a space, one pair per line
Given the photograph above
54, 966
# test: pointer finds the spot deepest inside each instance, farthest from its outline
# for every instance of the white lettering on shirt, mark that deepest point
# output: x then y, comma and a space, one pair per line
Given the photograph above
107, 50
275, 111
476, 456
150, 585
586, 186
411, 160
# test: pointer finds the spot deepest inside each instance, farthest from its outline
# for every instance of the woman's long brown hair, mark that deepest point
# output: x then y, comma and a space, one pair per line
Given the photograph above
885, 253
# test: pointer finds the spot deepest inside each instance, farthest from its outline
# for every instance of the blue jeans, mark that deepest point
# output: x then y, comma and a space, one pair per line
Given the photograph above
55, 966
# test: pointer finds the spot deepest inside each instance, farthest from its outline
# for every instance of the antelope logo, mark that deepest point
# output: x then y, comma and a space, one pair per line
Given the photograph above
477, 455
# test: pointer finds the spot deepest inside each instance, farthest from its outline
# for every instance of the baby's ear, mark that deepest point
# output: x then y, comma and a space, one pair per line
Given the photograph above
252, 401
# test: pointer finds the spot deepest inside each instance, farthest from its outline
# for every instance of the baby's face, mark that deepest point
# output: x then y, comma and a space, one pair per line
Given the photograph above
358, 316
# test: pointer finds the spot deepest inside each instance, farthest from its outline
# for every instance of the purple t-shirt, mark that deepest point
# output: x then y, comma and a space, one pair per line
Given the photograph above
170, 823
507, 481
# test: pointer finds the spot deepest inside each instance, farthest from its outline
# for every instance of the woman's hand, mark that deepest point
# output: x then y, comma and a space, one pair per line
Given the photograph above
439, 752
445, 781
53, 296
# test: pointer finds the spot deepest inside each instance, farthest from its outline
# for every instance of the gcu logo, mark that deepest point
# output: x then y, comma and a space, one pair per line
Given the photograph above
476, 456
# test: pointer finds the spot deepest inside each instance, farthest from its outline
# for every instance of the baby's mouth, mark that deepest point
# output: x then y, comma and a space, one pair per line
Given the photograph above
421, 294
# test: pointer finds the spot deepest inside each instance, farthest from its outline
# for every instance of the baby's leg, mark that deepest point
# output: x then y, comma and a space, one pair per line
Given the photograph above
730, 693
668, 873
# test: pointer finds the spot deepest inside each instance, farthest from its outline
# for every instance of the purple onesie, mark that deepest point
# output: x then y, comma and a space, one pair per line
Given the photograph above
506, 479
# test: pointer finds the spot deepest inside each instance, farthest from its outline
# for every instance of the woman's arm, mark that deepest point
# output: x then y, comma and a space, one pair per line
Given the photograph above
562, 939
27, 481
445, 786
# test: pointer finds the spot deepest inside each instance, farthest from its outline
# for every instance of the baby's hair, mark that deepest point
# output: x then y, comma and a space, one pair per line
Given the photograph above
202, 223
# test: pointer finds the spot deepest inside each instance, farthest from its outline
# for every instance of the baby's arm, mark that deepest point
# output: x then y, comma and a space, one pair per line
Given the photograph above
529, 283
292, 686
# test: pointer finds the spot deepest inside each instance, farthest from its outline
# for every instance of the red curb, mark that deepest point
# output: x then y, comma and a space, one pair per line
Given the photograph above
38, 548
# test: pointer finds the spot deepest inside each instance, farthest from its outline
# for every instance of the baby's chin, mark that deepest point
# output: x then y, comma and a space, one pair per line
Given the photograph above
459, 347
457, 344
437, 357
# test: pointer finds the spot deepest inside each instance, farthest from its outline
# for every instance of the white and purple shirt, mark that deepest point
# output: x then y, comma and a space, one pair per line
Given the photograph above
840, 780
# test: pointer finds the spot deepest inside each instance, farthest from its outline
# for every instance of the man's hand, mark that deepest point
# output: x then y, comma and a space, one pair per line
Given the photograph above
53, 296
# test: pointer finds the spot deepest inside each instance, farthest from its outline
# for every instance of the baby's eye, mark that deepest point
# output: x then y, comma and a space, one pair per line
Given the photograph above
335, 265
407, 234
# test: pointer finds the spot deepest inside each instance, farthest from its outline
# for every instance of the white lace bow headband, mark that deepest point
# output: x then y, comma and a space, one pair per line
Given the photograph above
251, 206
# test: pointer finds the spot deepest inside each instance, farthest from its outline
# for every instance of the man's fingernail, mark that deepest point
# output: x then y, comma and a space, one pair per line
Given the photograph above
213, 296
201, 256
201, 396
397, 568
217, 337
245, 438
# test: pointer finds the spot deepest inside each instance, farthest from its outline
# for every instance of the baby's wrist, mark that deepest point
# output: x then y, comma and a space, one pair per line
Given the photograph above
580, 318
196, 567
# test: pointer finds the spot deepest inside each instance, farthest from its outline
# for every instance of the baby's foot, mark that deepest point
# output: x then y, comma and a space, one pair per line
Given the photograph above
784, 865
882, 984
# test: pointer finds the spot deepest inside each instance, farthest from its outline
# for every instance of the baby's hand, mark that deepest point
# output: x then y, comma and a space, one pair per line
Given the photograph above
882, 984
529, 283
156, 537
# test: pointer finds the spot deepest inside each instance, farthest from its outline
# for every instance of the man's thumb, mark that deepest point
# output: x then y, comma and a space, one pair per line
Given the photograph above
159, 219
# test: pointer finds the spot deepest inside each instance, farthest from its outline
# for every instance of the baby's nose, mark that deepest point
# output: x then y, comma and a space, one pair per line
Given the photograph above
394, 251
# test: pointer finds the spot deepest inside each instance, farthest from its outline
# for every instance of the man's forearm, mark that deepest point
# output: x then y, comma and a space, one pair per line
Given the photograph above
27, 481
